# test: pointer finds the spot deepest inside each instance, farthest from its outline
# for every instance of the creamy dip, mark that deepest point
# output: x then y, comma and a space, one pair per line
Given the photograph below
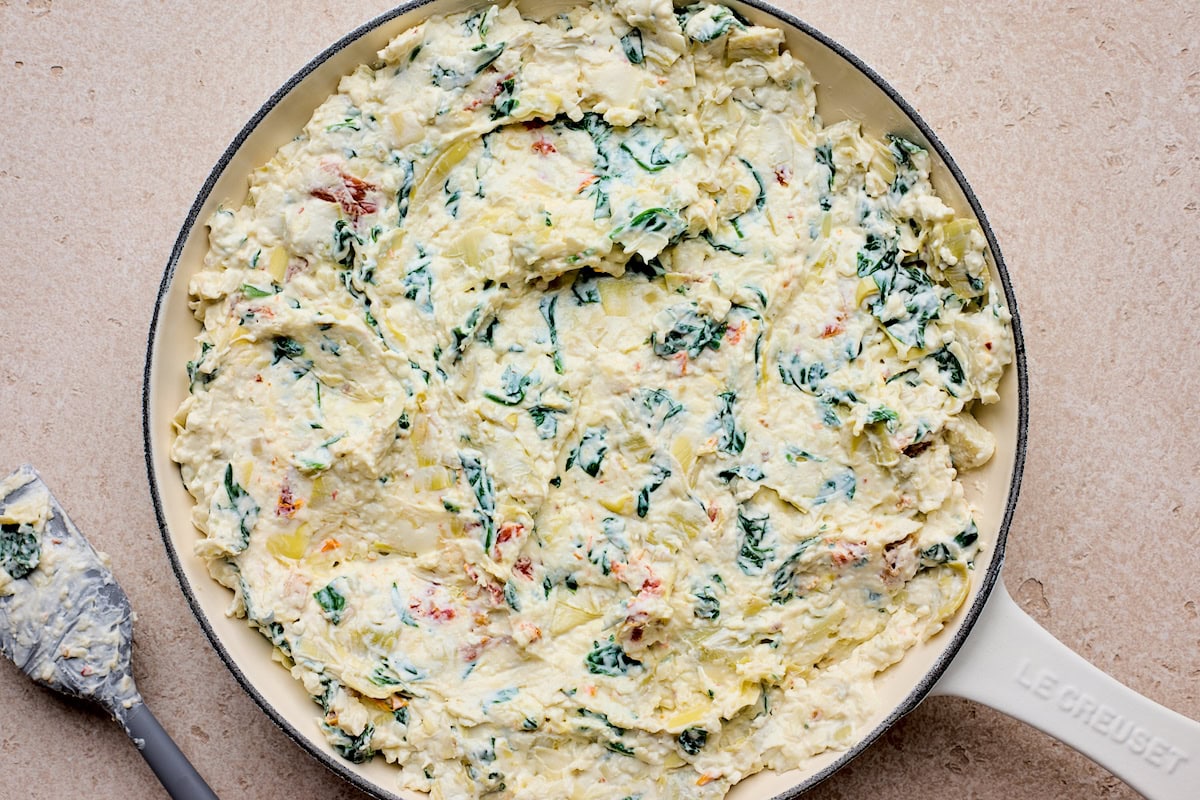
579, 416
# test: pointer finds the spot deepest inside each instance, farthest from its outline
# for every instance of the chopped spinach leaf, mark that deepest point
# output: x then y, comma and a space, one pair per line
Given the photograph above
805, 378
659, 472
842, 484
692, 740
243, 505
760, 199
485, 55
332, 602
619, 747
510, 596
548, 306
657, 220
794, 454
512, 388
883, 414
936, 554
407, 181
545, 421
903, 150
731, 440
631, 43
951, 370
505, 103
590, 452
584, 288
706, 23
689, 332
609, 659
344, 241
824, 155
355, 749
647, 153
754, 553
658, 406
708, 605
20, 549
745, 471
485, 495
194, 372
968, 537
783, 585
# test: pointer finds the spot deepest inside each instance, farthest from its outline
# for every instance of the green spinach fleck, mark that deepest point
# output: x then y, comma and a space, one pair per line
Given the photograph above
754, 552
485, 495
731, 440
609, 659
590, 452
842, 484
332, 602
512, 388
243, 505
659, 472
631, 43
20, 549
689, 332
692, 740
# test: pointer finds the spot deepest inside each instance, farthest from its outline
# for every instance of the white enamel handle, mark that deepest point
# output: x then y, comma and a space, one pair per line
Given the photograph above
1012, 664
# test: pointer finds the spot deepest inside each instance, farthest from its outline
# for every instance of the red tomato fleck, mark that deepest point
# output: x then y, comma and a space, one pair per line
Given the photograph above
428, 608
835, 327
543, 147
849, 553
351, 195
524, 567
734, 335
507, 532
288, 503
588, 181
782, 174
471, 652
681, 361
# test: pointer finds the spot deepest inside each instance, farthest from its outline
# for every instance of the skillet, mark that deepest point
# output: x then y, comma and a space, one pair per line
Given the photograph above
1007, 661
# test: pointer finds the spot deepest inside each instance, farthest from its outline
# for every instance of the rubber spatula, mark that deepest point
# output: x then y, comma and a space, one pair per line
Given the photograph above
66, 623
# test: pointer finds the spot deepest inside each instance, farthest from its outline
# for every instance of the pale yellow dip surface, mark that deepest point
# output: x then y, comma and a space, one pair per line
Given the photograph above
580, 417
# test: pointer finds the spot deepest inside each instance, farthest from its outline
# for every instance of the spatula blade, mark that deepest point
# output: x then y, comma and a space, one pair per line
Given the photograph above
64, 621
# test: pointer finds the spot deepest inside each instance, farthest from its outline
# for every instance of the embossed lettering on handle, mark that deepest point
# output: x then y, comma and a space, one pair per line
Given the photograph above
1075, 703
1013, 665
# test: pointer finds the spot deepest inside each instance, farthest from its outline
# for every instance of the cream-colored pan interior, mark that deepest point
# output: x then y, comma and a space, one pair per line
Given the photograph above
844, 91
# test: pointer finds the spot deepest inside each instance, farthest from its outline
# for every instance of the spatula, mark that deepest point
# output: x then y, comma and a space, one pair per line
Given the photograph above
66, 623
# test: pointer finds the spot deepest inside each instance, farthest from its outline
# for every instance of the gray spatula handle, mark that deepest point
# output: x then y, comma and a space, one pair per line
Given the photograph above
174, 771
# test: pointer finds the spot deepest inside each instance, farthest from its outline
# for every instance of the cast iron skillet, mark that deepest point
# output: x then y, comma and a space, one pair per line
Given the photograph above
1008, 662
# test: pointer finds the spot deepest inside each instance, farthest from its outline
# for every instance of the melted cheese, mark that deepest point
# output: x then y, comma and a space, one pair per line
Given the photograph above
579, 416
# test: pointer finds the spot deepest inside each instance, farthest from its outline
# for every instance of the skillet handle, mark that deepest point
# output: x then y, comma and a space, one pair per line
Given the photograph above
1012, 664
174, 771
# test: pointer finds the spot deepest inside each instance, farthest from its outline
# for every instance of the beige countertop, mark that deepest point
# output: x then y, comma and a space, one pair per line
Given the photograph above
1077, 124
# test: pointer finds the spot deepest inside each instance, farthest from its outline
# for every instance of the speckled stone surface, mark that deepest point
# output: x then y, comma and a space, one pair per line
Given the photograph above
1076, 124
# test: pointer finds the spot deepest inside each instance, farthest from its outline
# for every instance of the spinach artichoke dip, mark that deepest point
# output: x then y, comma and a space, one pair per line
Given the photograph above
578, 416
